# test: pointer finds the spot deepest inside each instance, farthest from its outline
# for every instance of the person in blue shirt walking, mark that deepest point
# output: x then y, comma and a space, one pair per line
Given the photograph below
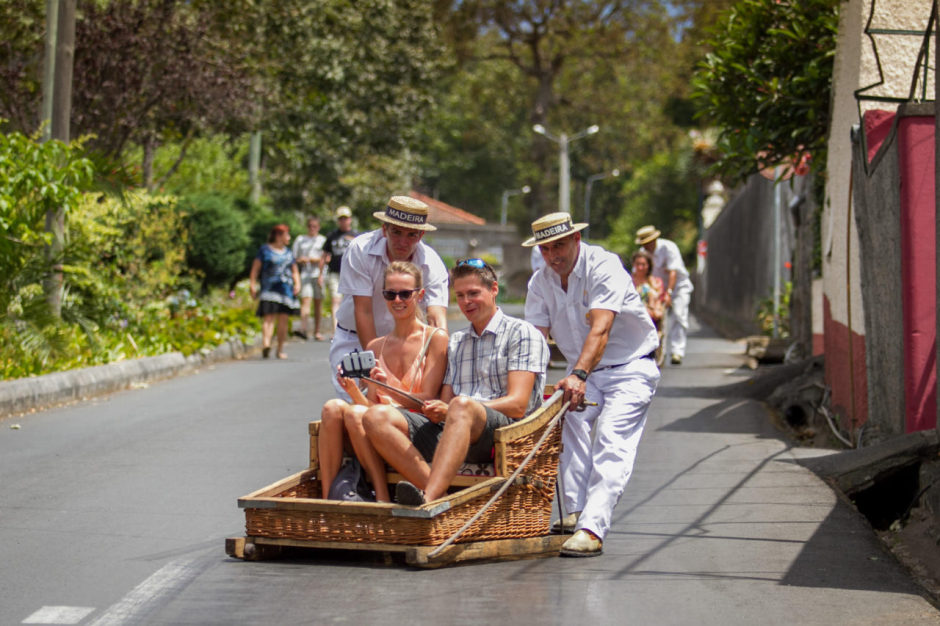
276, 271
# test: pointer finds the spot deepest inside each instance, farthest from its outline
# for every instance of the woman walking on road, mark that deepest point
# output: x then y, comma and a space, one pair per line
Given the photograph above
280, 284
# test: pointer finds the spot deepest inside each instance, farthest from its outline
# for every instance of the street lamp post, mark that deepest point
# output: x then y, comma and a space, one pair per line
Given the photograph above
587, 196
505, 205
564, 169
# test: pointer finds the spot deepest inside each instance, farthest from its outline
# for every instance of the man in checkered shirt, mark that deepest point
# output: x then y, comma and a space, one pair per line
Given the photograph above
495, 374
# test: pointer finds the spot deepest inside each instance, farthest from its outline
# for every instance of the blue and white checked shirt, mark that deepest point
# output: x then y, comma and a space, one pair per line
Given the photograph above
479, 366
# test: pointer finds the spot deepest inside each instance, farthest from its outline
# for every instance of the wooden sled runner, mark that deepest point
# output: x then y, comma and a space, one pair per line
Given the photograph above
461, 526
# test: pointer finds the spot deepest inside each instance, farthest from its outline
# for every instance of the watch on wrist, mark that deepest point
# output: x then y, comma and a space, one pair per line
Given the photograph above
580, 374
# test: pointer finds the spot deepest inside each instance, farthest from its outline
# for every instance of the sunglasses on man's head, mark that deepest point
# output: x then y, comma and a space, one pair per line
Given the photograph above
404, 294
477, 263
488, 272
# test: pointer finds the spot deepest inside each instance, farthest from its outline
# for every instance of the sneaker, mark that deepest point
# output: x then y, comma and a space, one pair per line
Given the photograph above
581, 544
408, 495
265, 353
676, 359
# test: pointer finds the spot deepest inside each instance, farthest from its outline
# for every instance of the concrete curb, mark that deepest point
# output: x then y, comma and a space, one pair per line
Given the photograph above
29, 394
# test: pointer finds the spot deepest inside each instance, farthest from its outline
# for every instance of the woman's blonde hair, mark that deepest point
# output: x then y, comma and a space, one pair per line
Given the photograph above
408, 269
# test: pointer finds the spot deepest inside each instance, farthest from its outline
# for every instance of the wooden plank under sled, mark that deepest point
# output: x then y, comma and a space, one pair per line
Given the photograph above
258, 548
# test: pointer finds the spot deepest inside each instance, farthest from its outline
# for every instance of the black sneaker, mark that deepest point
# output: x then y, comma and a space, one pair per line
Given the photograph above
408, 495
265, 353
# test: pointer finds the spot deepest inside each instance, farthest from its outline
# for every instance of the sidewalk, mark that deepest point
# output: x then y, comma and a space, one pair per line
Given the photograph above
721, 509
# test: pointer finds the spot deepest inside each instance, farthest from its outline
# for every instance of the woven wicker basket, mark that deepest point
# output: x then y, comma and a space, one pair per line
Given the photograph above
289, 509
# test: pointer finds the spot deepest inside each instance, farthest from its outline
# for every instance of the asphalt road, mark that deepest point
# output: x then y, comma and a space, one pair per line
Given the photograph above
115, 511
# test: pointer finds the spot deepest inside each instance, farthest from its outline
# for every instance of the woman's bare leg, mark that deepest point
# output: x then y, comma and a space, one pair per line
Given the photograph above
330, 442
372, 463
387, 431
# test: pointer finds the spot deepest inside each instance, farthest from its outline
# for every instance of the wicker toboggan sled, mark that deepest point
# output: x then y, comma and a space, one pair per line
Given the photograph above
463, 525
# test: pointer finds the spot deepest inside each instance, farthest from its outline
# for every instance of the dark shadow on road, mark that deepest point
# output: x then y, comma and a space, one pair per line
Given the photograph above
733, 415
696, 527
839, 555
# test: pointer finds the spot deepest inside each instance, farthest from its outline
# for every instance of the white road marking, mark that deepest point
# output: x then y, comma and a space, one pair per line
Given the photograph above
144, 597
59, 615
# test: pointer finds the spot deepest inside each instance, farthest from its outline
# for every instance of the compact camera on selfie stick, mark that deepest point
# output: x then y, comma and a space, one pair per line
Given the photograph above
358, 364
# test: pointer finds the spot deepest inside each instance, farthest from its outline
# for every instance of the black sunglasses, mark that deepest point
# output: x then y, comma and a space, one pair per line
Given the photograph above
404, 294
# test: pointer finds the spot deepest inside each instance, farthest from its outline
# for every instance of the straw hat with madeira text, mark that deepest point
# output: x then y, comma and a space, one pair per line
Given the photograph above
551, 227
406, 212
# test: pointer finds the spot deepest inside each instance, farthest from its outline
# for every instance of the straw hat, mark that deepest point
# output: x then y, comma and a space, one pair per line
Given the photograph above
406, 212
551, 227
647, 234
343, 211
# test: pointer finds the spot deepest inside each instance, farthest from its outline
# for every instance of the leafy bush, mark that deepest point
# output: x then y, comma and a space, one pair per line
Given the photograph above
34, 178
767, 83
218, 238
158, 327
765, 313
129, 248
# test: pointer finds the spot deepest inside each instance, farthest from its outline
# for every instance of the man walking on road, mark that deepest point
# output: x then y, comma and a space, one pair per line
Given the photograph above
308, 252
585, 298
333, 248
362, 315
668, 266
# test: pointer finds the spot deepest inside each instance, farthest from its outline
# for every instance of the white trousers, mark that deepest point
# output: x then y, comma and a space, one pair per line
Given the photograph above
679, 320
342, 344
595, 473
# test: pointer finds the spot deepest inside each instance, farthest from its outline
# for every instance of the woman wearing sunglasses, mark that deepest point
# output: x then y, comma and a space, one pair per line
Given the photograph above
412, 358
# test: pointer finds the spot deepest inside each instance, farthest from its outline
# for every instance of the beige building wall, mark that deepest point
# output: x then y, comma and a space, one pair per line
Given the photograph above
855, 68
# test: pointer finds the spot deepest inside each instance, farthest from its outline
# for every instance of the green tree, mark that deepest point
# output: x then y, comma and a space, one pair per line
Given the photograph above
663, 191
566, 65
342, 81
34, 178
766, 84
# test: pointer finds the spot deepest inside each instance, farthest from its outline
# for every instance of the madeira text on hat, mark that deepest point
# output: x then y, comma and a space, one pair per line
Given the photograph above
647, 234
343, 211
406, 212
551, 227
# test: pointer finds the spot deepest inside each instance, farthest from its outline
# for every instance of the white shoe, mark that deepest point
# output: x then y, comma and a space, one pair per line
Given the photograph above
566, 525
582, 544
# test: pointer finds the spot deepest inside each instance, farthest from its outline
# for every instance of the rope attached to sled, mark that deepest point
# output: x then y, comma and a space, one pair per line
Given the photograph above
509, 481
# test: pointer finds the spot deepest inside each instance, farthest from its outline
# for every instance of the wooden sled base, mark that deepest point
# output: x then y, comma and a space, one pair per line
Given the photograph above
260, 548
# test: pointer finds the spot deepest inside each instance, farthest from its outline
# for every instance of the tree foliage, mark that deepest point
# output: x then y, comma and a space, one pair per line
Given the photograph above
342, 82
766, 84
663, 191
34, 178
624, 65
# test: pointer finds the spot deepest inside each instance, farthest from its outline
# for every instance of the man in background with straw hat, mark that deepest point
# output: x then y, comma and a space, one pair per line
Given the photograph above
364, 316
668, 266
585, 298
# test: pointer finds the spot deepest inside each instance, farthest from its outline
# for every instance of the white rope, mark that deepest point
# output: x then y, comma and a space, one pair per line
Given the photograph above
505, 485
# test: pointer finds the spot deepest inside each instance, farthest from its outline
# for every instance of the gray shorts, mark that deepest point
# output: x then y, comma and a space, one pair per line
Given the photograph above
310, 288
425, 434
332, 283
